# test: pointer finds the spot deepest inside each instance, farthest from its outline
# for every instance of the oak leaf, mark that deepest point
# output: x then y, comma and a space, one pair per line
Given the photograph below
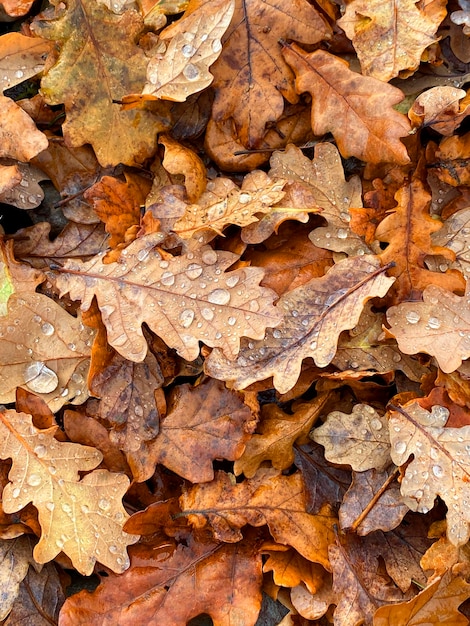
275, 437
251, 77
313, 317
451, 160
186, 50
438, 326
223, 204
202, 424
175, 584
182, 160
15, 559
99, 57
20, 139
388, 36
290, 569
388, 509
21, 58
324, 178
437, 603
27, 193
360, 440
455, 235
267, 498
117, 203
42, 347
192, 290
357, 110
439, 108
408, 231
439, 466
83, 518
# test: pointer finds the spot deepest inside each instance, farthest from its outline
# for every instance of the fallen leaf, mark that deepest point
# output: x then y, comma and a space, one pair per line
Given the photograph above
250, 74
314, 315
212, 306
290, 569
390, 37
437, 326
408, 250
83, 518
15, 558
98, 57
455, 235
187, 48
182, 160
21, 58
175, 584
202, 424
439, 108
437, 603
267, 498
20, 139
439, 466
357, 110
360, 440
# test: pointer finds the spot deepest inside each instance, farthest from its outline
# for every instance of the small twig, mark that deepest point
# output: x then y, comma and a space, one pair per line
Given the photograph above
358, 521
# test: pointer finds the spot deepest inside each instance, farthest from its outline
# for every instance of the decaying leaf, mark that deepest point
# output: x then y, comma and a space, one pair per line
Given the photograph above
83, 518
267, 498
15, 558
21, 58
175, 584
440, 465
187, 49
455, 235
202, 424
440, 109
360, 439
438, 326
20, 139
313, 316
357, 110
99, 58
251, 74
390, 36
209, 304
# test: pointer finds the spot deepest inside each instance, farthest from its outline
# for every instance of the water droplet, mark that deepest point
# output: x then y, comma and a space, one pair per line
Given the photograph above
412, 317
72, 346
419, 493
186, 318
244, 198
113, 549
167, 279
193, 271
16, 492
191, 72
47, 329
277, 334
66, 508
209, 256
188, 50
396, 358
437, 471
143, 254
50, 506
40, 451
231, 321
59, 543
219, 296
138, 410
424, 509
216, 46
434, 323
40, 378
342, 233
104, 504
84, 509
19, 74
207, 314
231, 281
354, 365
376, 424
34, 480
400, 447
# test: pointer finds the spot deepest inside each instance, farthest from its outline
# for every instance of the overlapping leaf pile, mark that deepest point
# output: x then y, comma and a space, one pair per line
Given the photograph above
237, 326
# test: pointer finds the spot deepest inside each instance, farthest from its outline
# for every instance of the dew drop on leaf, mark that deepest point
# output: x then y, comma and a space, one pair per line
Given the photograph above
188, 50
207, 314
47, 329
437, 471
16, 492
191, 72
434, 323
216, 46
219, 296
50, 506
104, 504
231, 281
400, 447
412, 317
209, 256
186, 318
39, 378
40, 451
231, 321
66, 508
34, 480
193, 271
167, 279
